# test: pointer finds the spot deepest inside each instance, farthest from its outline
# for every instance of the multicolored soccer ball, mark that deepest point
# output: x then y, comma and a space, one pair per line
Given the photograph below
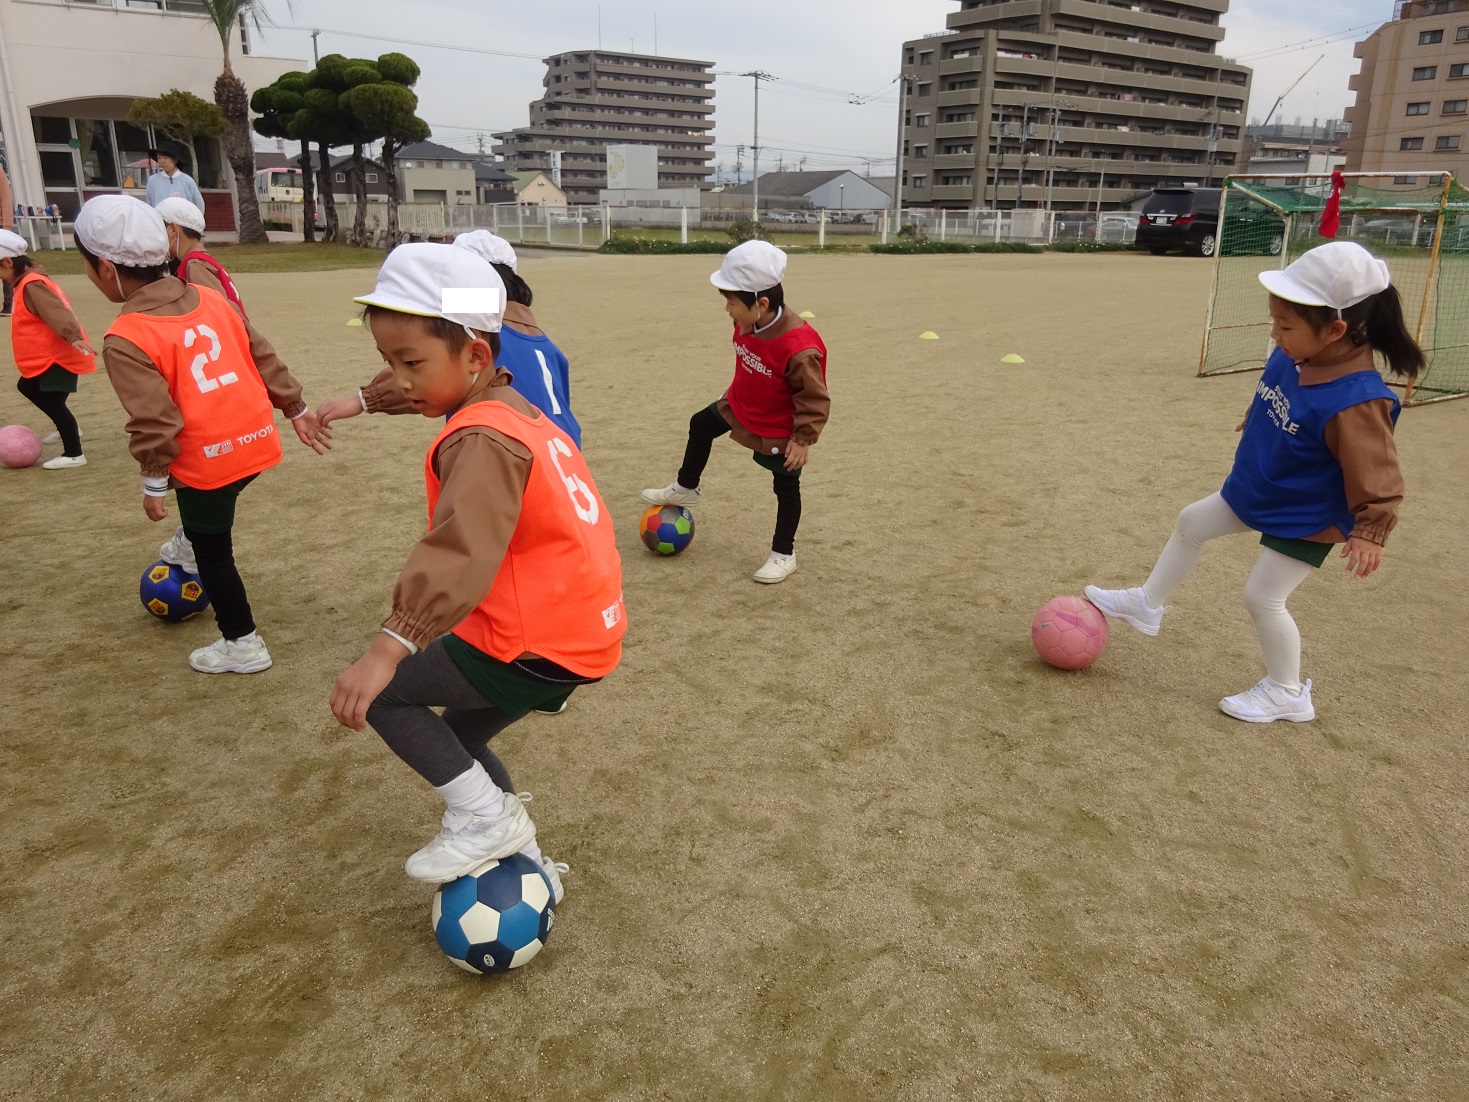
19, 446
667, 529
171, 593
1069, 632
496, 917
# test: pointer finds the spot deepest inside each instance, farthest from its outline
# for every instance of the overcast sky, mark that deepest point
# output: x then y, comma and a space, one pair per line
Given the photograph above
841, 46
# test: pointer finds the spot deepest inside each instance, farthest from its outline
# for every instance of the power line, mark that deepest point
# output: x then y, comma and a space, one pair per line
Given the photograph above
409, 42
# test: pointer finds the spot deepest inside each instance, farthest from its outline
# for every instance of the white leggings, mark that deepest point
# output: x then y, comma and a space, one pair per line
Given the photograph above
1271, 583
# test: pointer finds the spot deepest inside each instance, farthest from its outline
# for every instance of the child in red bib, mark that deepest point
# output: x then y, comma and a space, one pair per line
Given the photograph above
196, 267
777, 404
513, 599
199, 385
50, 345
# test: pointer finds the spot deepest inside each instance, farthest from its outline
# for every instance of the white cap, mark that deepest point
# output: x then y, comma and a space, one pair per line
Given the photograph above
1338, 274
12, 244
181, 212
123, 230
494, 249
440, 281
754, 266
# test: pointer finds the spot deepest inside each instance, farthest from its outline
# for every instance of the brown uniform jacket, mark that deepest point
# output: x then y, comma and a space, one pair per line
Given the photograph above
1361, 439
46, 304
154, 420
809, 396
483, 475
199, 274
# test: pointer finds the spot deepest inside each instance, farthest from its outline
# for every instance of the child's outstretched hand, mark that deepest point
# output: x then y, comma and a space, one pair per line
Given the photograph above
796, 455
312, 432
335, 409
155, 507
1363, 557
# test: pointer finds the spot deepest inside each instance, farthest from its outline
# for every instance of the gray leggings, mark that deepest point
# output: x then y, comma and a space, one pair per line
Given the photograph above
439, 747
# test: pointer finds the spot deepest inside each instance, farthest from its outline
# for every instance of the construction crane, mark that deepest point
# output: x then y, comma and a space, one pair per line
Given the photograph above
1291, 89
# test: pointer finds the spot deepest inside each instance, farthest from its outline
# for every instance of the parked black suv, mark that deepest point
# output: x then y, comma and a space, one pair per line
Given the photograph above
1184, 218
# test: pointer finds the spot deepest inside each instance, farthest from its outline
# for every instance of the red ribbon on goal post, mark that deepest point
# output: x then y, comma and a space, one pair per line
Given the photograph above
1331, 216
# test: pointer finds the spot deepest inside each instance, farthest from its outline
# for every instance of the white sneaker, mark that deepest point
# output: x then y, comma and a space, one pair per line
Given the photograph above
777, 568
1269, 701
239, 656
554, 711
54, 436
672, 494
1128, 605
179, 551
64, 462
554, 870
468, 840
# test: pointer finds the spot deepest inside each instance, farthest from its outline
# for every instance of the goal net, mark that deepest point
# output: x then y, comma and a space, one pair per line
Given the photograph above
1419, 224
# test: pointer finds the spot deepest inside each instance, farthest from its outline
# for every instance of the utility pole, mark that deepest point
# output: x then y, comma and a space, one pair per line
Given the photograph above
739, 165
759, 75
902, 140
1000, 135
315, 53
1027, 128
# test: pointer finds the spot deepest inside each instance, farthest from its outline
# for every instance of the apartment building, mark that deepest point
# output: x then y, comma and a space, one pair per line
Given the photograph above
1412, 108
597, 98
1071, 103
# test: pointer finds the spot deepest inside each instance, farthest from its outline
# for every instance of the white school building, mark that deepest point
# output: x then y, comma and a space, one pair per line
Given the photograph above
69, 71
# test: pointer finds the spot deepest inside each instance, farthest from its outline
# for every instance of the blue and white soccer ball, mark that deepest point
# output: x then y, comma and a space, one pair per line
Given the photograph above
496, 917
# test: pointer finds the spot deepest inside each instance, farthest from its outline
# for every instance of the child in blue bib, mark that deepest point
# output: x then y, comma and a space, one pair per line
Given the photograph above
1316, 464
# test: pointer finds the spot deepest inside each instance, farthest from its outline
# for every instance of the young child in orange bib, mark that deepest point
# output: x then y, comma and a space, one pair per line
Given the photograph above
198, 383
513, 599
50, 345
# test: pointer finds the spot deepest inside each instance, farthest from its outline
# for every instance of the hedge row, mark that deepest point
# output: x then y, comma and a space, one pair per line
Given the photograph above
643, 246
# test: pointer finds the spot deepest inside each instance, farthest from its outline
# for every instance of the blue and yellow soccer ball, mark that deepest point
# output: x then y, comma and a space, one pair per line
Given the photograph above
667, 529
496, 917
171, 593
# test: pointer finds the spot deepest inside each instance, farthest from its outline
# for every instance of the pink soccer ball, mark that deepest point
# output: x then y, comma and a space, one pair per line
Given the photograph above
19, 446
1069, 632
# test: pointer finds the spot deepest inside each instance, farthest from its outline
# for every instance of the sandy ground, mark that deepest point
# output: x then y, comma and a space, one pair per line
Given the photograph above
843, 838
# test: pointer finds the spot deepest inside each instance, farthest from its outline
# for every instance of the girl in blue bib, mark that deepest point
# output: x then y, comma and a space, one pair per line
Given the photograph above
1316, 464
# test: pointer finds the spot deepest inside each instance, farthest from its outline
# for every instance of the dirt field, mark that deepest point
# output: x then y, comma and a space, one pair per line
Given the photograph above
843, 838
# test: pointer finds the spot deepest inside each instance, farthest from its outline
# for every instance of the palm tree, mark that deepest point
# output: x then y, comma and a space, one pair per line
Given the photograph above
234, 100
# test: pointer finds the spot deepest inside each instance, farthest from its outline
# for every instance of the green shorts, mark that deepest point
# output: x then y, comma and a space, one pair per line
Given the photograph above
210, 512
1307, 551
513, 687
57, 380
775, 464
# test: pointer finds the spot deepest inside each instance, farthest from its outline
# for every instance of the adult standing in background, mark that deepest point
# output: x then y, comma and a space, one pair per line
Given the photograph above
7, 222
172, 180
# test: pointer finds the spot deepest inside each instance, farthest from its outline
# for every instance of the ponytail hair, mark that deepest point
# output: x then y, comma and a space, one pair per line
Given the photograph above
516, 289
1376, 321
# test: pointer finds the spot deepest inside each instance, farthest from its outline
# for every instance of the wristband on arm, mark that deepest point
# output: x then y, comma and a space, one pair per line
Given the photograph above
155, 487
412, 647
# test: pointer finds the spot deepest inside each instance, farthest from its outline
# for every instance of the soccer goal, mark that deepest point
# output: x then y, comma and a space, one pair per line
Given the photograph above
1418, 223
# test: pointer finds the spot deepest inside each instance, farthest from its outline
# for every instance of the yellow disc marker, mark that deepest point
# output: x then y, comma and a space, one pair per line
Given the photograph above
928, 336
354, 321
1012, 359
805, 314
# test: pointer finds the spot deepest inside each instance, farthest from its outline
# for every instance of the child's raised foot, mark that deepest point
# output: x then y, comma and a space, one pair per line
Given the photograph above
179, 551
672, 494
468, 840
1128, 605
245, 655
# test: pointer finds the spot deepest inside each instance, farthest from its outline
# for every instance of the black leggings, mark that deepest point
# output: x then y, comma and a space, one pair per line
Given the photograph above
707, 426
215, 554
53, 404
439, 747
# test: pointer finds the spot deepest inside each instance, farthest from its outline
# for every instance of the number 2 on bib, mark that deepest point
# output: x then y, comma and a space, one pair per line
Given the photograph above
203, 359
575, 487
